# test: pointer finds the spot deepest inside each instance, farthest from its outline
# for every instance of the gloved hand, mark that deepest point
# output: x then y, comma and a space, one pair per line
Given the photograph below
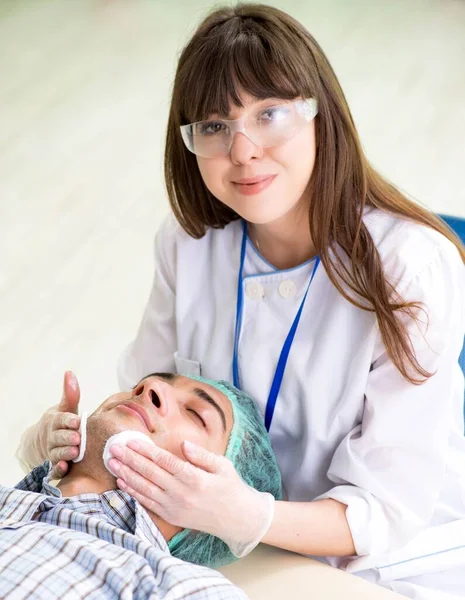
205, 493
55, 436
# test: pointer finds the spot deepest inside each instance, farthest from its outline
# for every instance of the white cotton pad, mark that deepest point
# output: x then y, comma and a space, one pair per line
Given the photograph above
83, 432
122, 438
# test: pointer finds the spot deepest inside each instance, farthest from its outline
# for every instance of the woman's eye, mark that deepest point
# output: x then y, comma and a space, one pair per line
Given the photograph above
211, 128
199, 418
273, 113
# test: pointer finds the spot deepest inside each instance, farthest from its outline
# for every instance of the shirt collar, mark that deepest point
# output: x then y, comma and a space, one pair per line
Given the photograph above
123, 510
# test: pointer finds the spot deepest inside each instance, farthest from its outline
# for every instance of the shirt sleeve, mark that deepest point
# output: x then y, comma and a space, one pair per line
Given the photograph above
153, 348
389, 470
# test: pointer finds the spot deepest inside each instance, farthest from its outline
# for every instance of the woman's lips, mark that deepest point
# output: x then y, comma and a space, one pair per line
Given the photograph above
138, 411
248, 187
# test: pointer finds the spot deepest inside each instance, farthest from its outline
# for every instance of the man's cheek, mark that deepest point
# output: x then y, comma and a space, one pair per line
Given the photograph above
172, 444
174, 447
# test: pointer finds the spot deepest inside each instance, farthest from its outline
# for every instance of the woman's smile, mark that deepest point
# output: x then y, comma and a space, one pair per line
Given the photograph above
253, 185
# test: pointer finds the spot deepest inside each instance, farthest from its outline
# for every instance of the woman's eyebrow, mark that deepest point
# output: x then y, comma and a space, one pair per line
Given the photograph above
203, 395
260, 103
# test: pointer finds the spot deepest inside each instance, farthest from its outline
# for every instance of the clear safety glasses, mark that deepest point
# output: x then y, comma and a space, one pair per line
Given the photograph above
266, 127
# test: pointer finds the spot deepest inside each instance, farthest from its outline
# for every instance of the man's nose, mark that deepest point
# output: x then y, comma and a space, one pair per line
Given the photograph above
157, 394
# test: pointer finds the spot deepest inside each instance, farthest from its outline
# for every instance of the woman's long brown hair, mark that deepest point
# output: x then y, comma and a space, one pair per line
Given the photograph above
266, 53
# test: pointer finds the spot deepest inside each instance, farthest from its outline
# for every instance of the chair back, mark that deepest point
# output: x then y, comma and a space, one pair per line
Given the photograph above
458, 225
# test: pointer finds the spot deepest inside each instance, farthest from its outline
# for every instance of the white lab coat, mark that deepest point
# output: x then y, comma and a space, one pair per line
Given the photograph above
346, 425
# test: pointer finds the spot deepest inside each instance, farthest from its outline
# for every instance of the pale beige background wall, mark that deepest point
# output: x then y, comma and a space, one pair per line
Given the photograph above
84, 91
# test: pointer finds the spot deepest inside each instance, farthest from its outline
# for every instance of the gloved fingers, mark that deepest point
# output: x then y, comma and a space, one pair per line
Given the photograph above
137, 482
132, 464
66, 420
63, 453
71, 394
200, 457
145, 501
64, 437
142, 455
59, 470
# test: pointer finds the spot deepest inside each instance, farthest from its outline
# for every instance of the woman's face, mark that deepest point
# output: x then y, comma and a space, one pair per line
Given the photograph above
288, 167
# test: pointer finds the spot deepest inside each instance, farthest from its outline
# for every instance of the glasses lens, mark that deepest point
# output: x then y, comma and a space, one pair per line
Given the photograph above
210, 138
274, 125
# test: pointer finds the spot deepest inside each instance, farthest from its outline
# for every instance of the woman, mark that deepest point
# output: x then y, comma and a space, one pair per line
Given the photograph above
294, 270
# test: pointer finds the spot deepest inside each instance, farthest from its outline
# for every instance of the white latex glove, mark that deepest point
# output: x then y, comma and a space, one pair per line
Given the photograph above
205, 494
55, 436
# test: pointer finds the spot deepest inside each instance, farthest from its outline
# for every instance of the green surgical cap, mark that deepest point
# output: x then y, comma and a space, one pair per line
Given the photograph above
250, 451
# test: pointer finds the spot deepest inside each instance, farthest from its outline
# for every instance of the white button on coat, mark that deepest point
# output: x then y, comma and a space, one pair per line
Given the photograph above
254, 290
287, 288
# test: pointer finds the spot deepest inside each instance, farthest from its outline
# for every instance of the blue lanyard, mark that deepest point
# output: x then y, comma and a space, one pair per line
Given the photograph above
281, 366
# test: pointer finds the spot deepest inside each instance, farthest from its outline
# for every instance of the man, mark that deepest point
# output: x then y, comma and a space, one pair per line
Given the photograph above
84, 538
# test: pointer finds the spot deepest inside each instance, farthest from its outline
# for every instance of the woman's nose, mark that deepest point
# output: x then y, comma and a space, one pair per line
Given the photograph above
243, 149
157, 394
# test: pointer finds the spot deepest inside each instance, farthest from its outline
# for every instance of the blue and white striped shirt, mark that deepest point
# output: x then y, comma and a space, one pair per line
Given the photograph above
91, 546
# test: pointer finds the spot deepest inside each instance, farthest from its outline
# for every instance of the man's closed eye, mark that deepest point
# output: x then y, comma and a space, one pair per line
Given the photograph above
198, 417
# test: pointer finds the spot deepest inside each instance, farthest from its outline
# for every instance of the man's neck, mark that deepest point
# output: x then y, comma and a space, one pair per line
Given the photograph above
79, 481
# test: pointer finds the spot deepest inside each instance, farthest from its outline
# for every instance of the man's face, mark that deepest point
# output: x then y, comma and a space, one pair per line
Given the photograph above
169, 409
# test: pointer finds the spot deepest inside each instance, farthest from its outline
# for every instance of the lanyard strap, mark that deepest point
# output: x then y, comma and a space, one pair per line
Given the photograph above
281, 366
239, 303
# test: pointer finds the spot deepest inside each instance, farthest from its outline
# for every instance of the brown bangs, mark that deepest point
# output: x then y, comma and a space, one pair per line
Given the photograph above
241, 55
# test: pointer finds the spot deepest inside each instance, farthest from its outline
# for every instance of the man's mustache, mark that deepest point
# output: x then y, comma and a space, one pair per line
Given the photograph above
159, 425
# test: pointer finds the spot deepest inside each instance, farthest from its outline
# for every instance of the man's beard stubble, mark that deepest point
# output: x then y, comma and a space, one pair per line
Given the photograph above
100, 427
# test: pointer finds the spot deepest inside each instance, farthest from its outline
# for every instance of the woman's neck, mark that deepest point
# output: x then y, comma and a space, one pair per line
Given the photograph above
285, 243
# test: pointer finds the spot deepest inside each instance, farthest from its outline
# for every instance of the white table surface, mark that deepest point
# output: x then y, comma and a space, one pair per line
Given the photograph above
272, 574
